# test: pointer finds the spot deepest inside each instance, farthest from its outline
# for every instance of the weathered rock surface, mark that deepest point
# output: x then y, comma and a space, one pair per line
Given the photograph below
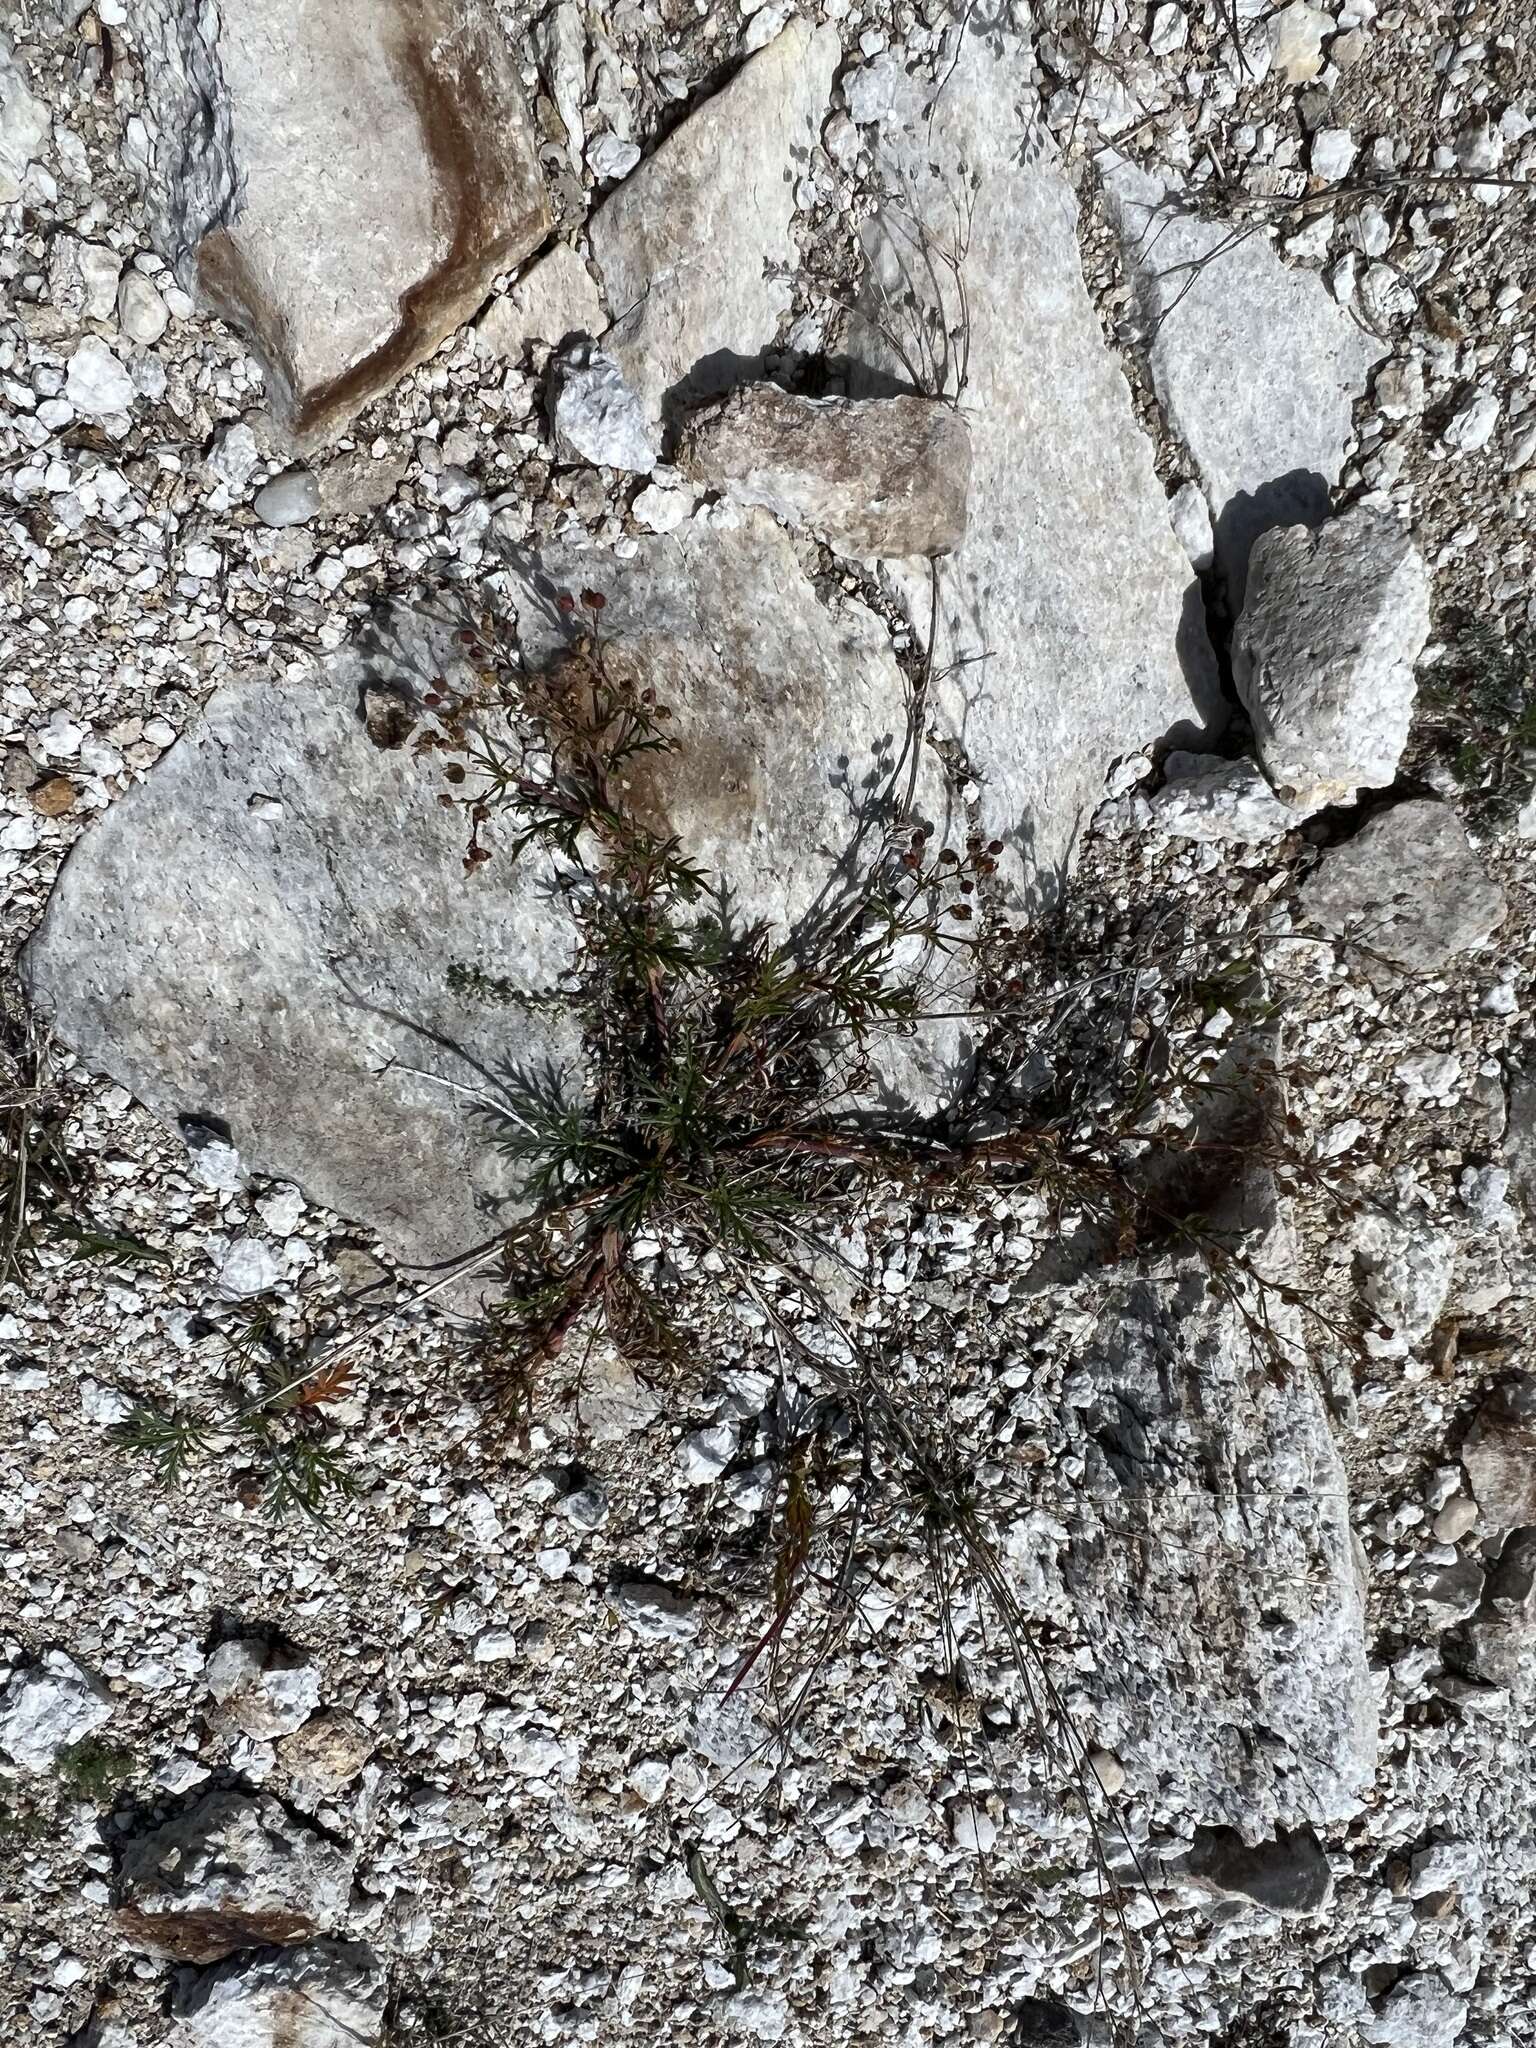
875, 476
1499, 1456
553, 299
1071, 628
264, 1690
1206, 798
1255, 364
47, 1709
1288, 1874
1419, 2011
686, 246
1404, 1263
322, 1758
232, 1872
1324, 652
1520, 1137
341, 183
328, 1994
788, 714
1407, 886
267, 932
597, 418
1210, 1543
1499, 1643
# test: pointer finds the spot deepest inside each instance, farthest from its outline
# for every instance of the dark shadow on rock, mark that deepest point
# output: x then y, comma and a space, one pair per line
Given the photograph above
1299, 498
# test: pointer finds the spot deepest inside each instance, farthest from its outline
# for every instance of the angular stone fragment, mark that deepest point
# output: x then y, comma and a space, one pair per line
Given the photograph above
327, 1994
1498, 1644
47, 1709
688, 247
1206, 798
1407, 886
1209, 1546
1499, 1456
1324, 651
231, 1872
342, 183
1256, 366
597, 418
277, 927
874, 476
1070, 625
264, 1690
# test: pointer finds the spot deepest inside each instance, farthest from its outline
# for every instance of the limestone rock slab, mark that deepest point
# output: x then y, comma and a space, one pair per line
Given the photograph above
269, 930
875, 476
342, 183
1210, 1550
1071, 629
1254, 363
686, 248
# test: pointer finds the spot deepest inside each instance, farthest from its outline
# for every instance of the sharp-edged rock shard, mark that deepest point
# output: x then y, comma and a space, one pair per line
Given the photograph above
1071, 628
277, 926
691, 247
1254, 363
342, 183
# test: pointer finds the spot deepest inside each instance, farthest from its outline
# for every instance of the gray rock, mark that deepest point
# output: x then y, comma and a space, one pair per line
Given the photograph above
1407, 887
342, 184
24, 122
1206, 798
1324, 651
49, 1708
273, 927
688, 246
1287, 1874
656, 1612
288, 500
1070, 626
231, 1872
1498, 1645
1404, 1263
327, 1994
876, 476
553, 299
264, 1690
1420, 2011
597, 418
1210, 1540
611, 1402
1255, 365
96, 383
141, 312
1499, 1456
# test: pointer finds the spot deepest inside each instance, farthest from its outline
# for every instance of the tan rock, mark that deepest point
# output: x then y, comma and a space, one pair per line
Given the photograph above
876, 476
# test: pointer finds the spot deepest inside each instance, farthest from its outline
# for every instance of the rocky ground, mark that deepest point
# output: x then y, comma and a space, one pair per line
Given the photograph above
1144, 398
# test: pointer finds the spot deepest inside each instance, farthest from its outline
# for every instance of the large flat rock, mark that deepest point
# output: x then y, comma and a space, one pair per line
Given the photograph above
266, 932
1070, 625
788, 713
1255, 365
341, 182
691, 246
1210, 1554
